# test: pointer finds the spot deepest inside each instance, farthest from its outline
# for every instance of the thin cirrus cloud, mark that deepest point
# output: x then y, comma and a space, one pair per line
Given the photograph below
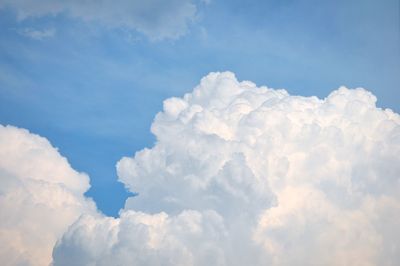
38, 34
157, 19
40, 196
244, 175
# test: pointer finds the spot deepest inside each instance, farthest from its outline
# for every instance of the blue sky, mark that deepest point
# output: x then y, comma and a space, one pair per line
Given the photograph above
93, 86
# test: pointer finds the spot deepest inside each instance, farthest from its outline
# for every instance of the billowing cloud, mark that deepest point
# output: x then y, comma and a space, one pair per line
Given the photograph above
40, 196
157, 19
138, 238
247, 175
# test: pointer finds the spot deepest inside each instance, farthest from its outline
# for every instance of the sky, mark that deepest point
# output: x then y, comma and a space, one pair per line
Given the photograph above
92, 85
91, 79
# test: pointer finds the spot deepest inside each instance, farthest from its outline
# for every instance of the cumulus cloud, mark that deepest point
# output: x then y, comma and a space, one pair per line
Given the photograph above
138, 238
157, 19
247, 175
40, 196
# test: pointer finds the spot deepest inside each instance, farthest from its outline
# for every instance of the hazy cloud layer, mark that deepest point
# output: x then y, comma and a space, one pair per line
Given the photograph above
157, 19
250, 175
40, 196
38, 34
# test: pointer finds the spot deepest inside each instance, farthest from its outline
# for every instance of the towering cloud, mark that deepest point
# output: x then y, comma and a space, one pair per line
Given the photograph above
247, 175
40, 196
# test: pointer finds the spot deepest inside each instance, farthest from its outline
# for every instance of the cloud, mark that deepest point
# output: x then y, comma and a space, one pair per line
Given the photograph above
242, 174
38, 34
142, 239
157, 19
40, 196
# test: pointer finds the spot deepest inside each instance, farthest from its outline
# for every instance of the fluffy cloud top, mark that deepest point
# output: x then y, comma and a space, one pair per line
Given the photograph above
247, 175
40, 196
157, 19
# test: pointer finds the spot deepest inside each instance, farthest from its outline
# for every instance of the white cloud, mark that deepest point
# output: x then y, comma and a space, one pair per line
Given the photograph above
245, 175
40, 196
38, 34
157, 19
138, 238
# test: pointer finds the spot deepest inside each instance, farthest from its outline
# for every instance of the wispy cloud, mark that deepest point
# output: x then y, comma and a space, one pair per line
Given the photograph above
157, 19
37, 34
